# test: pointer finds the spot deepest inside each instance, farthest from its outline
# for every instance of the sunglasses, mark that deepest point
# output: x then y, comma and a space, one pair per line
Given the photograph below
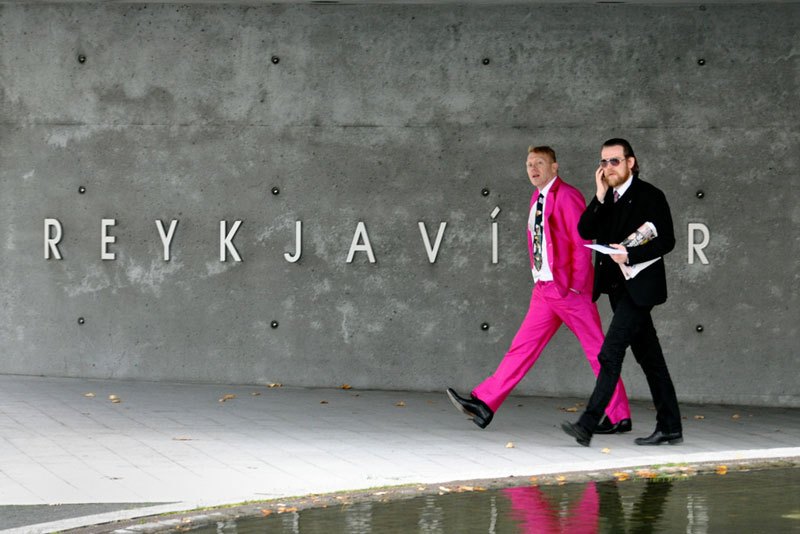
610, 161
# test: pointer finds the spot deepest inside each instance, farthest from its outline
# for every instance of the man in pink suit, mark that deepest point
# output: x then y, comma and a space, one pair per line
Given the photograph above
562, 294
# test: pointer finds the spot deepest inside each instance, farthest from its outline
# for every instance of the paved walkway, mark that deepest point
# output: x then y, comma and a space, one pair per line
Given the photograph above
177, 446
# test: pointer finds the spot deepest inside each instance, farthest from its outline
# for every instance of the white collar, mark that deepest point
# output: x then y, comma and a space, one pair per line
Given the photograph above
624, 187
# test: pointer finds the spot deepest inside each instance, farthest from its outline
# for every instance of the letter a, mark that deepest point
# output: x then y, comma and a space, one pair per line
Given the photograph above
361, 233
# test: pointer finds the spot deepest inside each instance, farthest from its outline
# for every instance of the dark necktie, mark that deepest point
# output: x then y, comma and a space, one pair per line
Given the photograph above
616, 196
537, 233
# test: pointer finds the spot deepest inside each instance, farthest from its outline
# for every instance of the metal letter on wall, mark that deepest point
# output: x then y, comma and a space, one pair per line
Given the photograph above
226, 241
495, 212
361, 234
697, 248
432, 252
106, 239
298, 243
51, 243
166, 237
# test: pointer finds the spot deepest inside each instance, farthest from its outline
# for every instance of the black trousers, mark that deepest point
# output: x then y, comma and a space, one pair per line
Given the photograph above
632, 327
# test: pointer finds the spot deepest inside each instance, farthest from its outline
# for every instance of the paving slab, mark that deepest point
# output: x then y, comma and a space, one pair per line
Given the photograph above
182, 446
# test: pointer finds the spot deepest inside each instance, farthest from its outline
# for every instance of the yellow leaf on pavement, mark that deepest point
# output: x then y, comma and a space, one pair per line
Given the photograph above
722, 469
510, 445
606, 450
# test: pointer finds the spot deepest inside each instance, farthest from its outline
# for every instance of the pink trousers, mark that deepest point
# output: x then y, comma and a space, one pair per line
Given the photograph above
547, 312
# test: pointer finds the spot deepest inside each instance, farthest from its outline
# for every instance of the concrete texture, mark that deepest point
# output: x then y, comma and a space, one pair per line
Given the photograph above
178, 444
386, 114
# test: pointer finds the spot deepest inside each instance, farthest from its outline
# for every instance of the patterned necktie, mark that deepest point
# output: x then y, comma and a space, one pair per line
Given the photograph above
616, 196
537, 233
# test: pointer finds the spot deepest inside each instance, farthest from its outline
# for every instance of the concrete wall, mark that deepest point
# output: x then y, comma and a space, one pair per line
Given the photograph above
390, 115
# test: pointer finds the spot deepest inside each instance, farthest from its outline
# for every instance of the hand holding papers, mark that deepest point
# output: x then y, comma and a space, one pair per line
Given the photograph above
642, 235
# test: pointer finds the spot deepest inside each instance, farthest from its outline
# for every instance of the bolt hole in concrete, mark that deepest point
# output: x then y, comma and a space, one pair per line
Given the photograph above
639, 501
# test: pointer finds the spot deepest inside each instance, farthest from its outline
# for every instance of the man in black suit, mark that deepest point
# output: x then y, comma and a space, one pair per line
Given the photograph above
623, 203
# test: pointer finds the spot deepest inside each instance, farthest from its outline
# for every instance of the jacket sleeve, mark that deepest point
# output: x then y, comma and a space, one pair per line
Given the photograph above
581, 273
659, 214
594, 217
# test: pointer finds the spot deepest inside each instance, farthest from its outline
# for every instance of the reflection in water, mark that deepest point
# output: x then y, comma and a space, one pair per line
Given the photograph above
537, 512
761, 501
696, 514
430, 518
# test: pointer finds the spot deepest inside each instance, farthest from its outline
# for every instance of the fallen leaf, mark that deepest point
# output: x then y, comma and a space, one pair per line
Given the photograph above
113, 397
534, 480
323, 402
445, 489
378, 494
646, 473
606, 450
90, 395
181, 438
400, 404
346, 386
735, 416
722, 469
466, 488
226, 398
284, 510
572, 409
699, 417
266, 512
510, 445
561, 480
255, 393
275, 385
621, 476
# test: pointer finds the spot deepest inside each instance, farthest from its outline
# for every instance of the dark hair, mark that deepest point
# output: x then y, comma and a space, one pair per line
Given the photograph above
627, 151
543, 150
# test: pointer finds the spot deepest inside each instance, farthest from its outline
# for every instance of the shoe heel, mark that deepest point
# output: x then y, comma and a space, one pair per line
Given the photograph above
675, 441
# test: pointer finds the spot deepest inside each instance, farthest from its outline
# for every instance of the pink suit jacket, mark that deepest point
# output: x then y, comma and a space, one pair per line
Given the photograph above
569, 260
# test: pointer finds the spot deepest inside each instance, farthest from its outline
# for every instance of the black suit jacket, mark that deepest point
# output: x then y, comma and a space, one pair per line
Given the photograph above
608, 222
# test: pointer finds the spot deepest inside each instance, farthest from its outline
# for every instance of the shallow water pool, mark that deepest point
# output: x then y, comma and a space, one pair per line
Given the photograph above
766, 501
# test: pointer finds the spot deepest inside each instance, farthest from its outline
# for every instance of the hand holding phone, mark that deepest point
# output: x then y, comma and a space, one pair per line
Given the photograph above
600, 181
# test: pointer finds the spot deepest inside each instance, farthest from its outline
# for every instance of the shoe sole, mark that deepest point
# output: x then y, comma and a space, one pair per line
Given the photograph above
624, 431
571, 432
458, 405
675, 441
473, 417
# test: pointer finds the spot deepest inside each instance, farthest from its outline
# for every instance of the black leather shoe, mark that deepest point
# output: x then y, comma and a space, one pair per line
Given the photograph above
577, 432
658, 437
474, 408
605, 426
